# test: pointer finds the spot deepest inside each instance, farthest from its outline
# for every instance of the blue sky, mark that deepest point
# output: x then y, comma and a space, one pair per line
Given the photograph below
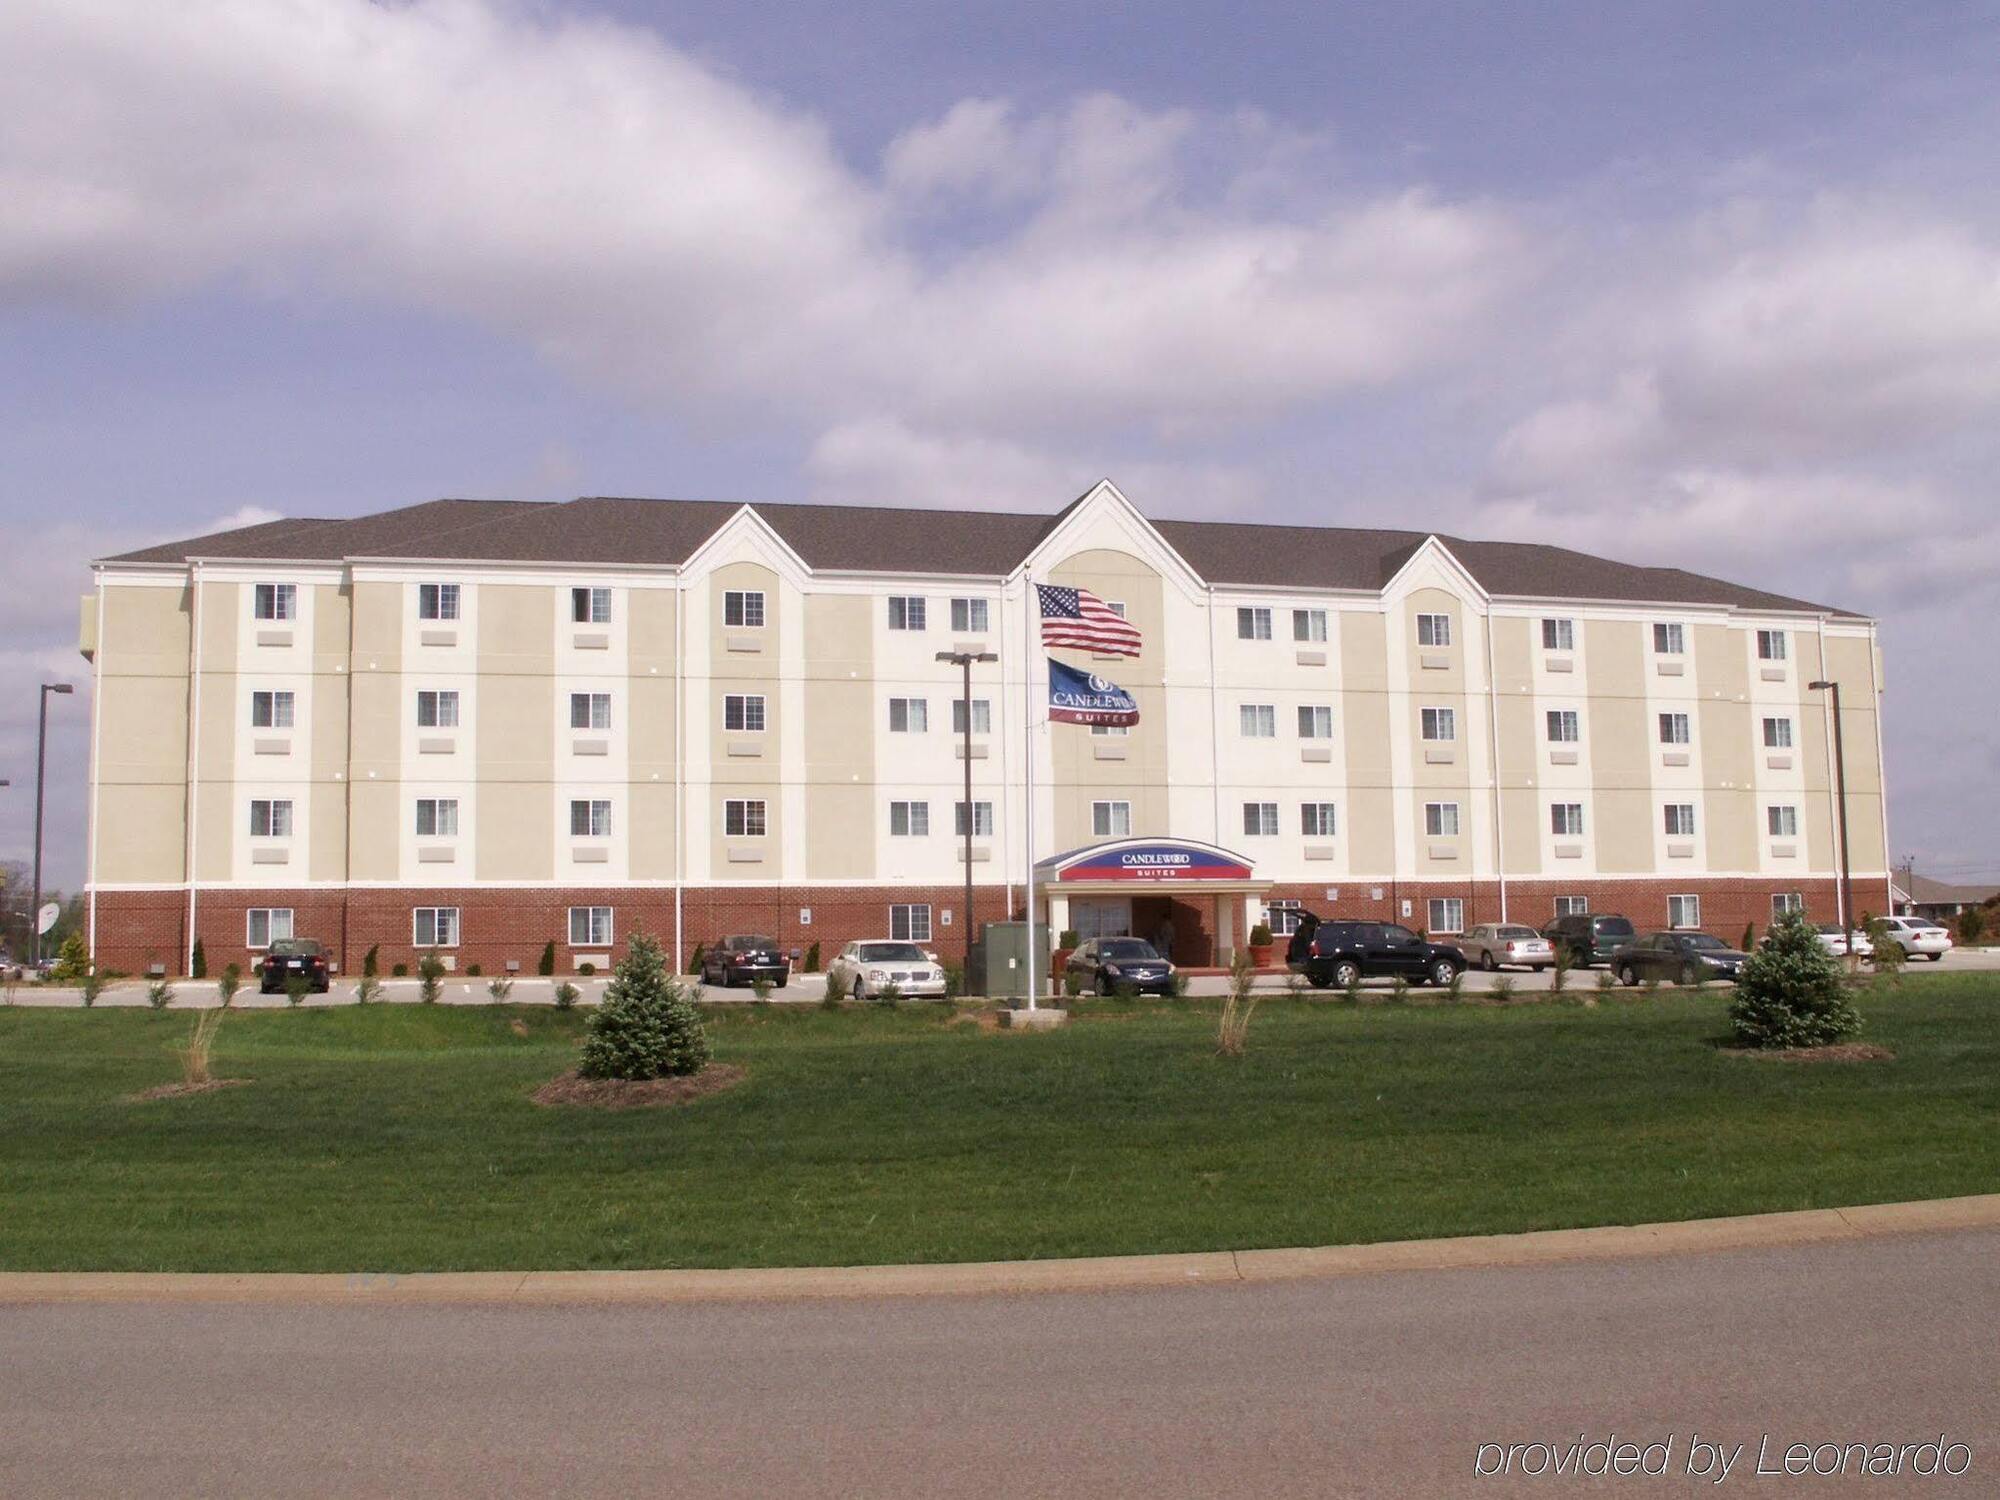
1715, 285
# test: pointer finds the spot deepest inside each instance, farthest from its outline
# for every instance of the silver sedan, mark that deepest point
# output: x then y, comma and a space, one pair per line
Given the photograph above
1492, 944
865, 970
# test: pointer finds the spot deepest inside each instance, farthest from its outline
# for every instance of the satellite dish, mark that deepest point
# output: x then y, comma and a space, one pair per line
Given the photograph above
46, 917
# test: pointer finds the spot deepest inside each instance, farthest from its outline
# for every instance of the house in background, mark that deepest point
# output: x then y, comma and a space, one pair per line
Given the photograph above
1921, 896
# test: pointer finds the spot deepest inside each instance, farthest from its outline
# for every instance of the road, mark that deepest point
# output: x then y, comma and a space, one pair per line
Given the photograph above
1365, 1385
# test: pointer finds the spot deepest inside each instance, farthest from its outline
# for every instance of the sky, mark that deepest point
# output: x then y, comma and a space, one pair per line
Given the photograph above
1714, 286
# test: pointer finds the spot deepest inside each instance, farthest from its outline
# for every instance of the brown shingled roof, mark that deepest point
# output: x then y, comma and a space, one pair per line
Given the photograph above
609, 529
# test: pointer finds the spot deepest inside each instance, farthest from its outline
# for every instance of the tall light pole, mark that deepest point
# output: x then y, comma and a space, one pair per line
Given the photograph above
964, 660
41, 775
1840, 801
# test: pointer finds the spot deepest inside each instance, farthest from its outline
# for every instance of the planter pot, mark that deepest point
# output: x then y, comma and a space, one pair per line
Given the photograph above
1264, 955
1058, 961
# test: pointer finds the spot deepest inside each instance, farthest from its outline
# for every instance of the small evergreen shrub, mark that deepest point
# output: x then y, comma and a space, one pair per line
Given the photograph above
1399, 989
399, 971
761, 988
297, 987
586, 969
694, 963
648, 1026
954, 979
1888, 955
1070, 938
159, 994
1559, 970
547, 964
1790, 994
92, 985
832, 998
430, 978
1072, 983
1971, 926
227, 986
812, 959
889, 996
1605, 981
1503, 988
368, 991
500, 988
1749, 937
1260, 935
567, 995
473, 971
72, 961
371, 961
198, 963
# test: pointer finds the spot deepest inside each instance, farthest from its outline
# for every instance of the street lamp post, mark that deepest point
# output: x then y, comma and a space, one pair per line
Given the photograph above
964, 660
1840, 803
41, 775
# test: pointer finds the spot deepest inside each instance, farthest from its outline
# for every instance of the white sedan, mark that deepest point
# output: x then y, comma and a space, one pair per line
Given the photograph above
1917, 937
863, 970
1836, 941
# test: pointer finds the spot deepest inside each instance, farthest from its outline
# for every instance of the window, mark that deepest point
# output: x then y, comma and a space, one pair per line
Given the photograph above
743, 713
437, 817
1782, 821
1433, 630
1110, 820
743, 819
1309, 625
270, 710
265, 925
590, 606
743, 609
434, 926
1770, 645
437, 710
1260, 819
906, 612
1447, 915
1684, 911
590, 927
590, 710
1572, 906
1441, 819
1316, 820
1668, 640
1680, 820
982, 819
1674, 729
437, 601
270, 820
1777, 734
1257, 721
1115, 731
910, 924
1282, 916
969, 616
590, 819
276, 601
909, 715
1440, 724
1558, 635
1566, 820
982, 716
1253, 624
1315, 721
1785, 902
1564, 726
909, 820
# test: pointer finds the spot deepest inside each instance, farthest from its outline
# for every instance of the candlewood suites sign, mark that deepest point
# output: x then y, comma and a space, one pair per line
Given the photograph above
1155, 863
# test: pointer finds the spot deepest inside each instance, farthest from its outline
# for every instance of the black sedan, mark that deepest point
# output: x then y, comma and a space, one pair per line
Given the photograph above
1678, 958
745, 958
1106, 964
293, 958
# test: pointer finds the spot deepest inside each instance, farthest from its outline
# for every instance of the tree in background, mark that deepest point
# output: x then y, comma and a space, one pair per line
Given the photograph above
72, 961
648, 1026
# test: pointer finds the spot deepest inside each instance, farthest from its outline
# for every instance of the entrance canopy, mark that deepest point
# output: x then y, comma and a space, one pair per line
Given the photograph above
1144, 866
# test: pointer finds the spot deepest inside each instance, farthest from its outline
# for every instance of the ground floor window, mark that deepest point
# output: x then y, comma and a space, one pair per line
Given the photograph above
1684, 911
1447, 914
590, 926
265, 925
1283, 916
1572, 906
1787, 901
910, 924
434, 926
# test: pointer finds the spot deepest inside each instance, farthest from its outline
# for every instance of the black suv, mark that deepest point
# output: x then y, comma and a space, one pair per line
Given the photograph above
745, 958
1588, 937
1343, 953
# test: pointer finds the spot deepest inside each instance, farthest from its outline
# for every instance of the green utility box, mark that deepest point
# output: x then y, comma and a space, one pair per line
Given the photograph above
1003, 953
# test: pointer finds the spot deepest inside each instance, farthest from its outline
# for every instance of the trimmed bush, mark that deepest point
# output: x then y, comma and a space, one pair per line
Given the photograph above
567, 995
430, 976
399, 971
811, 965
474, 972
547, 965
198, 964
1260, 935
648, 1026
694, 963
586, 969
1790, 994
370, 961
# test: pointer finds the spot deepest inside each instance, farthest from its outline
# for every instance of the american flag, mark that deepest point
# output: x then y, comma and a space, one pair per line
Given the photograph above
1077, 617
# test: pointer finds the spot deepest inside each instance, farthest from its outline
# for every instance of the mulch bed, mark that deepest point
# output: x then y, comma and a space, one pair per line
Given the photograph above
176, 1090
644, 1093
1838, 1052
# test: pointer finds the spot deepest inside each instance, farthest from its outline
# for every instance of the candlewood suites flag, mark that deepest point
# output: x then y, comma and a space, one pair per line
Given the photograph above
1085, 698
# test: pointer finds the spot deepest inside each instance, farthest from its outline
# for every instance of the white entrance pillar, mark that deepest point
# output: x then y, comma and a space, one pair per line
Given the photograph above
1058, 915
1225, 929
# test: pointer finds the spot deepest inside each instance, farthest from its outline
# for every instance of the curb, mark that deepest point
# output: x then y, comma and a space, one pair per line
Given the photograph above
1108, 1273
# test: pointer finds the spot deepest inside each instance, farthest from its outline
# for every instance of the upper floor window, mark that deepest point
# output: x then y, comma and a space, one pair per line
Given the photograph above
1566, 820
911, 820
590, 818
1316, 820
1674, 729
1440, 724
970, 616
271, 710
909, 716
743, 713
1668, 639
1433, 630
1257, 721
1771, 645
1315, 721
906, 612
1441, 819
743, 609
1680, 820
1777, 734
1309, 625
982, 716
590, 606
1253, 623
1558, 635
1782, 821
276, 601
437, 817
743, 818
1110, 820
982, 819
437, 710
590, 710
270, 819
1260, 819
1565, 727
437, 601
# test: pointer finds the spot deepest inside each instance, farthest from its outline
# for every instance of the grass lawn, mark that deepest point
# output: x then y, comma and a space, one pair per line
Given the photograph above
401, 1137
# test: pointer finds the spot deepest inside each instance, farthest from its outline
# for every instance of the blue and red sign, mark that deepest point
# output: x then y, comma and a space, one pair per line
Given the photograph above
1155, 862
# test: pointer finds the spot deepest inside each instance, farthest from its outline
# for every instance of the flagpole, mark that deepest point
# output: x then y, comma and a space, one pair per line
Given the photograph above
1030, 611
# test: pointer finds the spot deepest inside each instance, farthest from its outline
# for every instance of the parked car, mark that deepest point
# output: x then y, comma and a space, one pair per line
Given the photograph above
1834, 940
745, 958
864, 969
1589, 937
1103, 964
1918, 937
1677, 958
1343, 953
288, 958
1492, 944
